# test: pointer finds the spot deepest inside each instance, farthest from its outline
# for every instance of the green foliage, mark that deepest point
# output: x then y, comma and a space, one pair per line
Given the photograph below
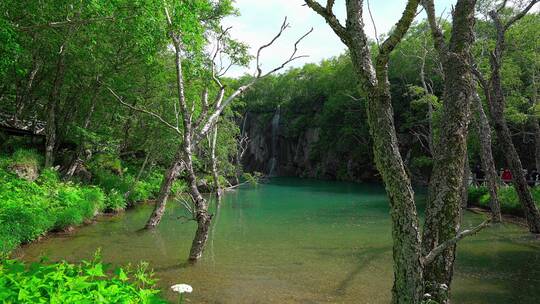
115, 201
87, 282
30, 209
252, 178
476, 193
508, 198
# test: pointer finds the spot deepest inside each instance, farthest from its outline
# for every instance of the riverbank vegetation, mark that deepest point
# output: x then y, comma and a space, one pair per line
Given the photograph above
105, 104
34, 200
508, 198
87, 282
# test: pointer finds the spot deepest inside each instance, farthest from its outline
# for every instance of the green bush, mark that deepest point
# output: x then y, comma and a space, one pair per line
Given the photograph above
88, 282
475, 193
115, 201
30, 209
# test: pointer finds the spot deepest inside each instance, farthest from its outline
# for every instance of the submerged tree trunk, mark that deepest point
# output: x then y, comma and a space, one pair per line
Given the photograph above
161, 203
486, 156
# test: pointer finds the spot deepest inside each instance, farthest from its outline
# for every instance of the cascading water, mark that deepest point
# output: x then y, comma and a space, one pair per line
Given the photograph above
275, 130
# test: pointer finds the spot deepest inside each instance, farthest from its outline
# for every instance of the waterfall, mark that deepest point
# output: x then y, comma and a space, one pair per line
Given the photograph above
275, 130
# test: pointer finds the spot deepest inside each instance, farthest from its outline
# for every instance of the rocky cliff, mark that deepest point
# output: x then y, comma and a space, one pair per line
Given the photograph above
277, 147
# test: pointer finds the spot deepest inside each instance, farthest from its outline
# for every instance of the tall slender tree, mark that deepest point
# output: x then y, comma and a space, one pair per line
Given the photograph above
496, 98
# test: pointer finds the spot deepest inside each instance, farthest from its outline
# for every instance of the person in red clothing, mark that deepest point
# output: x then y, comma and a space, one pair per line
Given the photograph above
506, 176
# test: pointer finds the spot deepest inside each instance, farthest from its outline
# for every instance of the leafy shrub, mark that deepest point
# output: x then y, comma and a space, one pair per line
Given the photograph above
106, 162
49, 178
23, 223
115, 201
475, 193
96, 197
88, 282
30, 209
509, 200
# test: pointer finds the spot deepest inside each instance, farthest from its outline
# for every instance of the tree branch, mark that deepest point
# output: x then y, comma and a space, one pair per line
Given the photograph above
520, 14
328, 15
400, 30
442, 247
161, 119
436, 31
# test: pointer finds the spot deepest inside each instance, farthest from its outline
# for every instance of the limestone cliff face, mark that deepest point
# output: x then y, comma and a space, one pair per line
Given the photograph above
296, 151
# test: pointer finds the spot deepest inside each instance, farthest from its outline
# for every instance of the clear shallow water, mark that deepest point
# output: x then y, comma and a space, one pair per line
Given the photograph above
299, 241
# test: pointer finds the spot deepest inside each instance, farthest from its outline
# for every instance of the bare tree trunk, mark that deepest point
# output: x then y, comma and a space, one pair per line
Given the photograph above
161, 203
512, 159
242, 146
78, 161
50, 136
486, 156
23, 98
201, 210
214, 161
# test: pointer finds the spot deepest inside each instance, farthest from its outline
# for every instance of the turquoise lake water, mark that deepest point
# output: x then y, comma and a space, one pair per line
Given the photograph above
298, 241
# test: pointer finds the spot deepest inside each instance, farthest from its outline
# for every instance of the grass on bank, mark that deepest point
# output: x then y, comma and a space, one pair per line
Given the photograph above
508, 198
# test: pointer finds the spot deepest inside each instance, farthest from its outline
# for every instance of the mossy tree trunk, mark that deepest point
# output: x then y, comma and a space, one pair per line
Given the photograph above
443, 209
486, 157
408, 283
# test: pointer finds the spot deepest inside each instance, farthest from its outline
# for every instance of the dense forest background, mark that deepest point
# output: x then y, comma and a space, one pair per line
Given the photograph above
59, 73
324, 132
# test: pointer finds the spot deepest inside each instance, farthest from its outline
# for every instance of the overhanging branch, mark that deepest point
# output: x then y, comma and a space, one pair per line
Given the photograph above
442, 247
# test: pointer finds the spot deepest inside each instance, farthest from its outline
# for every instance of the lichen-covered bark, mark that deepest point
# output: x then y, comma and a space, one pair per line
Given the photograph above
443, 208
408, 283
486, 156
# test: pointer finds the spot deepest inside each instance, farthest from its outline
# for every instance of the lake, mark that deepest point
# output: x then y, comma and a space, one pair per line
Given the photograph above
298, 241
